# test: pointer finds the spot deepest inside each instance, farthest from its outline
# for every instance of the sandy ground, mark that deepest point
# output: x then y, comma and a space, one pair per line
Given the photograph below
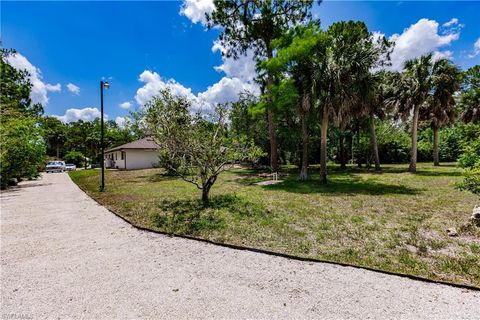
65, 256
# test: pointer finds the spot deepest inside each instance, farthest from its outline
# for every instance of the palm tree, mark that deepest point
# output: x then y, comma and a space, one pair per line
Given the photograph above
374, 106
411, 92
350, 55
440, 107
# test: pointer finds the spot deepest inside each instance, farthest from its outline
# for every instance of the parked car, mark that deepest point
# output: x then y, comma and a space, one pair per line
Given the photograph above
55, 166
70, 167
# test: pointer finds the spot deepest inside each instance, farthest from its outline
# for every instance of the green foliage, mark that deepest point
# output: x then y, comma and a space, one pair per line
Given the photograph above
471, 182
255, 24
22, 149
470, 97
55, 134
15, 89
247, 120
471, 155
195, 148
74, 157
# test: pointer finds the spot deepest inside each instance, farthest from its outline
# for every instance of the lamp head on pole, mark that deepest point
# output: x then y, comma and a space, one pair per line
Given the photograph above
106, 85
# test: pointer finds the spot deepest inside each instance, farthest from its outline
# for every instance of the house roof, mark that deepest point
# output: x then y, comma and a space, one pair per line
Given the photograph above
145, 143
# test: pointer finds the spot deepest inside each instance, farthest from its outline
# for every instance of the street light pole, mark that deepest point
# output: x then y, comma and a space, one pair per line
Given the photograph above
106, 85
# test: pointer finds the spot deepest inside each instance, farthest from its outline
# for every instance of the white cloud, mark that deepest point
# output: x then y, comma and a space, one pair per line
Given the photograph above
195, 10
39, 93
154, 84
121, 121
451, 22
125, 105
53, 87
85, 114
476, 49
73, 88
421, 38
226, 90
242, 68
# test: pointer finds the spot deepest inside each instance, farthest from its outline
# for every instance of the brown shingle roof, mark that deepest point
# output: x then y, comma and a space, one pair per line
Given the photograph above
145, 143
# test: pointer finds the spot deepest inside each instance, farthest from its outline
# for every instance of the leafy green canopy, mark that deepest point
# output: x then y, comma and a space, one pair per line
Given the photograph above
470, 96
255, 23
22, 148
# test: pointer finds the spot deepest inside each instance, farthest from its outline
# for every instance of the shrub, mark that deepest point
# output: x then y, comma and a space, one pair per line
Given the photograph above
74, 157
22, 149
471, 155
471, 182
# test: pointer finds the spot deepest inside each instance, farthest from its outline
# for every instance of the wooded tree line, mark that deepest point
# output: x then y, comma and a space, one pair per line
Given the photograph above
329, 91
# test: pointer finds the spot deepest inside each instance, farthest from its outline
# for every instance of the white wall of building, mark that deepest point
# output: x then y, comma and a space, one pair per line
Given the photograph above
141, 159
134, 159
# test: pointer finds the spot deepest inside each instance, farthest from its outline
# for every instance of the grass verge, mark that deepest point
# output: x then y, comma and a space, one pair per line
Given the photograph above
393, 221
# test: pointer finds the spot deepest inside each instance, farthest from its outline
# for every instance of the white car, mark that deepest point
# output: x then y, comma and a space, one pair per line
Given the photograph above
70, 167
55, 166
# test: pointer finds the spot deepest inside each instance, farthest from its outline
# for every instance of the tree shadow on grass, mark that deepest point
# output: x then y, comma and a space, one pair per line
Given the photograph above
438, 173
190, 216
343, 186
433, 172
157, 177
339, 183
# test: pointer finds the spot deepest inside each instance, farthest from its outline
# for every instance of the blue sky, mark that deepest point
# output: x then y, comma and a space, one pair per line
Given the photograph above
81, 42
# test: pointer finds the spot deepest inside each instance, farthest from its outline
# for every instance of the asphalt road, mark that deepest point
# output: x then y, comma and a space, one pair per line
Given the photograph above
65, 256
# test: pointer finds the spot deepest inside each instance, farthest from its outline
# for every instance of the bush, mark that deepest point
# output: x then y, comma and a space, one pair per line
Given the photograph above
22, 149
471, 155
74, 157
471, 182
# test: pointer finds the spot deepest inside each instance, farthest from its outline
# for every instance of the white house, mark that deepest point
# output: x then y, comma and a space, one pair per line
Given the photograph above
139, 154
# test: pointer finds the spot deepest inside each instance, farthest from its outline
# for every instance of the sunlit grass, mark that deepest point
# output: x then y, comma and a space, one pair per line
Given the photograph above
394, 220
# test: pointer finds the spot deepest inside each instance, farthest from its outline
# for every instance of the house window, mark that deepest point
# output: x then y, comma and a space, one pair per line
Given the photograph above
116, 156
122, 155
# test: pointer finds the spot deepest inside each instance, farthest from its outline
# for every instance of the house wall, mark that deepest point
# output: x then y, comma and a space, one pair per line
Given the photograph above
114, 160
141, 159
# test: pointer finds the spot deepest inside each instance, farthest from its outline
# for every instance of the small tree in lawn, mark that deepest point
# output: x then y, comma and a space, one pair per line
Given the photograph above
195, 147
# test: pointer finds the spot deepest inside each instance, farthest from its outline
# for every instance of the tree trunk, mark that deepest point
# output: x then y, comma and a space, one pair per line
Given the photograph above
273, 141
304, 170
341, 138
436, 159
323, 147
359, 159
373, 137
413, 157
85, 156
271, 123
206, 190
58, 152
205, 198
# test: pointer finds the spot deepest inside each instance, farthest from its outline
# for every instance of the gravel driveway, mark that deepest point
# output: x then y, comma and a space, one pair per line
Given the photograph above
65, 256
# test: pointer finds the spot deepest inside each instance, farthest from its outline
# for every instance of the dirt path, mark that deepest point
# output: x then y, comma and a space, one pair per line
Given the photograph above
64, 256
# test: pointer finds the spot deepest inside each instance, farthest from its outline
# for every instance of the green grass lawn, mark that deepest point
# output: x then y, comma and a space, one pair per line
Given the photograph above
393, 221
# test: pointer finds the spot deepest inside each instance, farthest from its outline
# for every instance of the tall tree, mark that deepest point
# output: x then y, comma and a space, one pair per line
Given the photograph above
412, 88
349, 57
470, 96
296, 52
54, 133
254, 24
440, 110
196, 149
22, 149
